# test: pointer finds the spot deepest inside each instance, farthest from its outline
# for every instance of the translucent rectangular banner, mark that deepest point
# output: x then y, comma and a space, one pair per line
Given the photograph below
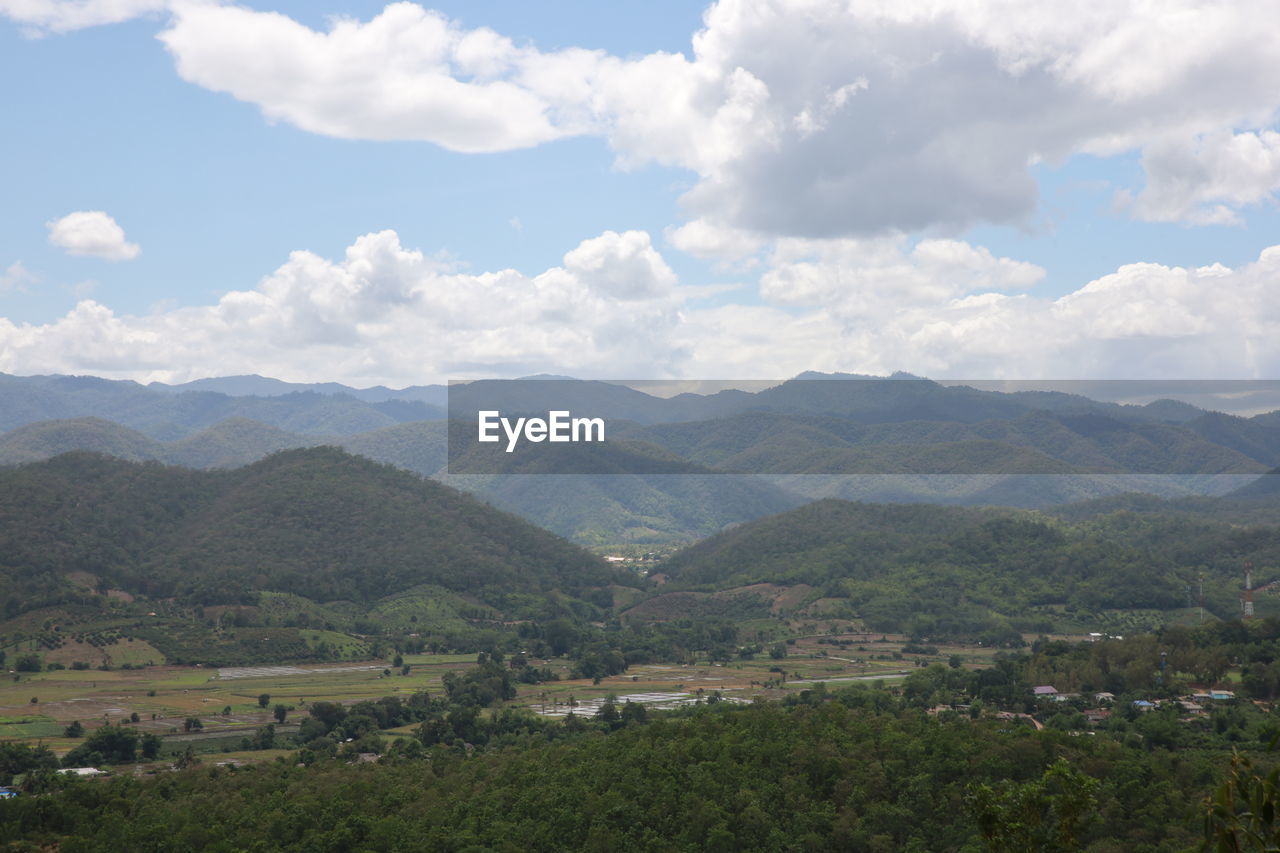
819, 424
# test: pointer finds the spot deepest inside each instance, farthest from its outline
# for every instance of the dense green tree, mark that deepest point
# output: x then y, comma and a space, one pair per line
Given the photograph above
1047, 814
106, 745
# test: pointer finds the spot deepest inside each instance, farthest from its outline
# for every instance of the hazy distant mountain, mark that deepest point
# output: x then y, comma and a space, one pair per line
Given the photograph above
889, 439
1265, 487
1252, 437
228, 444
231, 444
262, 386
420, 446
168, 415
1032, 442
602, 509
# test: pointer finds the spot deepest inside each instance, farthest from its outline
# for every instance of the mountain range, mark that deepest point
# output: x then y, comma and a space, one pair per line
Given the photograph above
677, 467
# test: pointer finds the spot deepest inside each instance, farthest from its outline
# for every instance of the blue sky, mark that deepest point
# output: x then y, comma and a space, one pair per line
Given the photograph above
98, 120
931, 190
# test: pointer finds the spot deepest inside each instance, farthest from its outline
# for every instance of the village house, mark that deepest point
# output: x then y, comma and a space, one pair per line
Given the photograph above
1096, 716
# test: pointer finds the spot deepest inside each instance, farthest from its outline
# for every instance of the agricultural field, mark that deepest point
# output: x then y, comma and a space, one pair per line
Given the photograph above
39, 706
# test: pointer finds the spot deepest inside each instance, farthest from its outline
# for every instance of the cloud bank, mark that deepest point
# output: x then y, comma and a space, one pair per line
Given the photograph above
385, 313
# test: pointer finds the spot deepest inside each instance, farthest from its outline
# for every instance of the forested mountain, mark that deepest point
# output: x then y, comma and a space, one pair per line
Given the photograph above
315, 522
227, 444
1262, 489
169, 411
941, 571
1035, 442
857, 438
595, 509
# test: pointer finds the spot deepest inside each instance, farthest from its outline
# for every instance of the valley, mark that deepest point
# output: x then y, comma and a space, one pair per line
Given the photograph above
243, 608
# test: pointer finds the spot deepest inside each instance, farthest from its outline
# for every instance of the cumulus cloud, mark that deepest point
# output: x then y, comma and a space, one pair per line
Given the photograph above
948, 309
92, 233
624, 266
1208, 179
888, 115
409, 73
813, 118
385, 313
709, 240
844, 272
807, 118
60, 16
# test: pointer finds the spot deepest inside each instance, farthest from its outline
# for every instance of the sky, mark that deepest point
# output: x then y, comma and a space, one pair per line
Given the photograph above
404, 194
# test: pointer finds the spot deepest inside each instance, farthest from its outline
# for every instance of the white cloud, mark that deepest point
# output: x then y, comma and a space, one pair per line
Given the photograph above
409, 73
812, 118
706, 239
60, 16
388, 314
874, 274
92, 233
944, 308
624, 266
951, 102
15, 277
1208, 179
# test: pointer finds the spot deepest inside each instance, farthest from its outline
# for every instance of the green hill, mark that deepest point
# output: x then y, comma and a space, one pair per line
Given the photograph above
231, 444
420, 446
316, 522
586, 508
45, 439
939, 571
